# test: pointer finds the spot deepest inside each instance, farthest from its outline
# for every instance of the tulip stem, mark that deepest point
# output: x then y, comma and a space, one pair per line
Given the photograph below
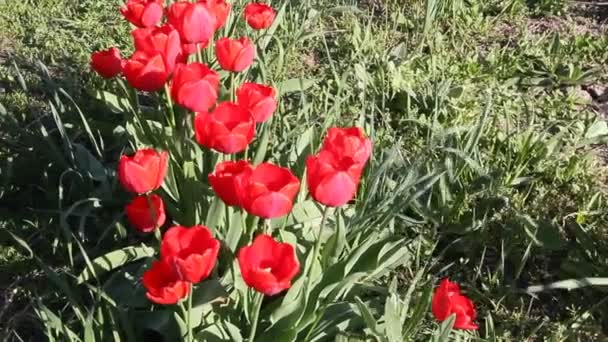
232, 95
257, 305
170, 105
189, 315
154, 216
317, 247
199, 54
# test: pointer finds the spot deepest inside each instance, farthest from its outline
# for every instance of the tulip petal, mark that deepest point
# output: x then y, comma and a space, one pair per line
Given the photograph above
335, 190
198, 96
271, 205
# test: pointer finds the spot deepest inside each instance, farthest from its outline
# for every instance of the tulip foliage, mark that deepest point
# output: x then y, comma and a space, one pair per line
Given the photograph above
236, 242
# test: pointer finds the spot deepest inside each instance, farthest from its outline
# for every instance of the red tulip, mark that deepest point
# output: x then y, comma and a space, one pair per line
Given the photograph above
259, 99
143, 217
348, 144
228, 129
163, 284
164, 40
234, 54
144, 171
146, 71
333, 174
194, 21
269, 190
223, 180
193, 251
143, 13
448, 300
219, 8
107, 63
194, 86
331, 182
259, 15
268, 266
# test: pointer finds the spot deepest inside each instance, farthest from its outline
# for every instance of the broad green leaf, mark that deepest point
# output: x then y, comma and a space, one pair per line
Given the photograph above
367, 316
203, 294
215, 215
569, 284
597, 129
235, 230
302, 212
422, 306
116, 103
115, 259
88, 163
286, 316
392, 316
442, 334
295, 85
260, 153
335, 244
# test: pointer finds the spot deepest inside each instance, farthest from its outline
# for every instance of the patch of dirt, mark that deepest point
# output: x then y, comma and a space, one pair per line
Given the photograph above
573, 25
596, 10
599, 103
599, 96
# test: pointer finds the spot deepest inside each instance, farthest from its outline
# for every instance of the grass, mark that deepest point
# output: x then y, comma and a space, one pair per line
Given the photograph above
488, 97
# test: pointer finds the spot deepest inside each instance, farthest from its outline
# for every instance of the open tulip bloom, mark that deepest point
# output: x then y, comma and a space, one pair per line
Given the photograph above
333, 174
227, 129
163, 284
448, 301
143, 171
192, 251
268, 266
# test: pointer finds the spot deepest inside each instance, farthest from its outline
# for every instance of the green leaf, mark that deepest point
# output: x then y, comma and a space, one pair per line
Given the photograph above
202, 295
422, 306
88, 163
295, 85
235, 230
368, 318
116, 103
260, 153
215, 215
55, 323
597, 129
392, 316
115, 259
569, 284
542, 233
335, 244
301, 213
219, 332
443, 333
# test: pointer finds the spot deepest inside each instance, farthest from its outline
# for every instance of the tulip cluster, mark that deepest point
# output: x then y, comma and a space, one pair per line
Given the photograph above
160, 47
168, 43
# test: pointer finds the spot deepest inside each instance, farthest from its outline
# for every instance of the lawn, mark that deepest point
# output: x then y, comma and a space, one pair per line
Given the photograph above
488, 122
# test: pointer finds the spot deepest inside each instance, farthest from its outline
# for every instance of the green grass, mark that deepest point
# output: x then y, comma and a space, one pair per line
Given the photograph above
471, 92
